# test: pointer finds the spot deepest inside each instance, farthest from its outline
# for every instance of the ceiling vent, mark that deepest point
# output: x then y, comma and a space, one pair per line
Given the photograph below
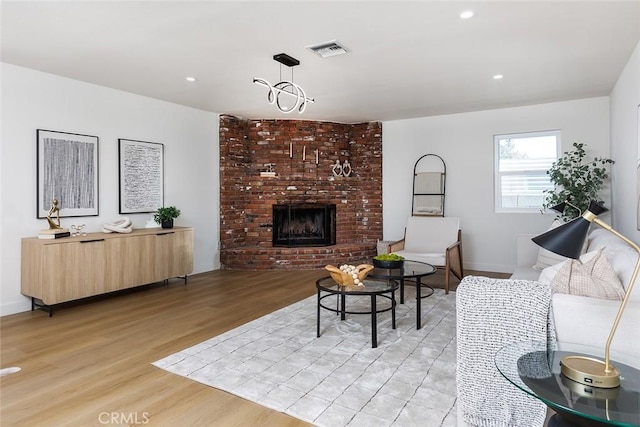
327, 49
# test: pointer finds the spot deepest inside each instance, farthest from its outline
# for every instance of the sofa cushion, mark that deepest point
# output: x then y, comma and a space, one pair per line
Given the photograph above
437, 259
588, 321
526, 273
593, 278
623, 258
547, 258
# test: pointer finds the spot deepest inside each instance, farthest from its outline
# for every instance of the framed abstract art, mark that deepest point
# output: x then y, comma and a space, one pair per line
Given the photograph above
67, 170
141, 167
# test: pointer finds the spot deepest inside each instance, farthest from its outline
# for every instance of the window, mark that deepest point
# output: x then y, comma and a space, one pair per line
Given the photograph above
522, 161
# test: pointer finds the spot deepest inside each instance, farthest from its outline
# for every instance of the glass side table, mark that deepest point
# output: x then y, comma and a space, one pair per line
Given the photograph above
374, 289
535, 369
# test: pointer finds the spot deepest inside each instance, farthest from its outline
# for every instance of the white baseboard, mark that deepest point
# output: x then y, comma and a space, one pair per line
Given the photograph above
15, 307
494, 268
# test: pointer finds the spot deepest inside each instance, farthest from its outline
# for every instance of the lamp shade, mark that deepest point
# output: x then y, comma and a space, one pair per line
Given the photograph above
565, 240
596, 208
559, 207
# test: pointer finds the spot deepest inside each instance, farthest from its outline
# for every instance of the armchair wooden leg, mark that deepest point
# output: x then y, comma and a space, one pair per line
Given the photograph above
446, 280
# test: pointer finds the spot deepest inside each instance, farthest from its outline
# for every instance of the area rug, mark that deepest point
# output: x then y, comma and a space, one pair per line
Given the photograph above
337, 379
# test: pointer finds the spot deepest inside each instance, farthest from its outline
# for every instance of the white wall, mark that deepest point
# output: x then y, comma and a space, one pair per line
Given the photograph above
34, 100
465, 142
624, 102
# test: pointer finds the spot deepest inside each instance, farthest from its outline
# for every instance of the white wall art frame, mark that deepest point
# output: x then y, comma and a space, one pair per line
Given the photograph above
67, 170
141, 171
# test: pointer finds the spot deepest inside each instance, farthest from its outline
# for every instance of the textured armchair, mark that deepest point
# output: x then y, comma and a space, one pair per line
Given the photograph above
434, 240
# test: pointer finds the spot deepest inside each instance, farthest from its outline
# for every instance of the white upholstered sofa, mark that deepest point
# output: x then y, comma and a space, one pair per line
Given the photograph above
582, 319
494, 312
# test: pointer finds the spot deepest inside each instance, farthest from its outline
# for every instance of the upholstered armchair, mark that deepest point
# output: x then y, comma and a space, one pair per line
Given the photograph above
434, 240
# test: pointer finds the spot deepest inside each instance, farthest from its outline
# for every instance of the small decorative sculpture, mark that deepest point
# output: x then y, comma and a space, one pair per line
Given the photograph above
123, 225
346, 168
53, 225
337, 168
77, 230
349, 275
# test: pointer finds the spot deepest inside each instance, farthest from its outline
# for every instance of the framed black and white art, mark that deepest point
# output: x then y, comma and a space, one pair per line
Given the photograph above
67, 170
141, 173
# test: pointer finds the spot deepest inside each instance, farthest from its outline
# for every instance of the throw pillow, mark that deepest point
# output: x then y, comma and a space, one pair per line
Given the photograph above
595, 278
547, 258
549, 273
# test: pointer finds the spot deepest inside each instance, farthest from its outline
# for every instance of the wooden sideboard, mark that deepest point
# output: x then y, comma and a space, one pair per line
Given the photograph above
70, 268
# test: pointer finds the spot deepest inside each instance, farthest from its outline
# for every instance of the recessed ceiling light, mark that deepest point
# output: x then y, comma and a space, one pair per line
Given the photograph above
466, 14
191, 79
498, 76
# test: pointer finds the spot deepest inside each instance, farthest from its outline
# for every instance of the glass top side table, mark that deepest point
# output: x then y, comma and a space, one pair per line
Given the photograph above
535, 369
375, 289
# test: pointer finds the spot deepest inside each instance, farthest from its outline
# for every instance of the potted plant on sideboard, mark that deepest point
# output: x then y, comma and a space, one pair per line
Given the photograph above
165, 216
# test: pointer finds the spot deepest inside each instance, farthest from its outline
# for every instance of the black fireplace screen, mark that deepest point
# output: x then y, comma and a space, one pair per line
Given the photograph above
304, 225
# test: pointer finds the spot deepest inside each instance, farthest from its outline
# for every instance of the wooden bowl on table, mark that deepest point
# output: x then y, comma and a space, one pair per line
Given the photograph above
343, 278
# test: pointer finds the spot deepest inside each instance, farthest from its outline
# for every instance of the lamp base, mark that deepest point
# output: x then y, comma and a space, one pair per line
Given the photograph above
589, 371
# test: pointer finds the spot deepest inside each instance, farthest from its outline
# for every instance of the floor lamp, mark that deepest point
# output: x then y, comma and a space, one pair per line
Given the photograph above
567, 240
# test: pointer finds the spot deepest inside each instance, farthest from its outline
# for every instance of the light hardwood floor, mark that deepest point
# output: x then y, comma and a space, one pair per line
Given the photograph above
90, 364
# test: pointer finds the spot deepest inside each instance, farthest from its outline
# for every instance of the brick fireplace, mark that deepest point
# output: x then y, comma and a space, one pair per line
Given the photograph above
247, 197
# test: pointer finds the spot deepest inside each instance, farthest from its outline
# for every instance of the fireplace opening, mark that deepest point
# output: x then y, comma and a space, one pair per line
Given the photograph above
304, 224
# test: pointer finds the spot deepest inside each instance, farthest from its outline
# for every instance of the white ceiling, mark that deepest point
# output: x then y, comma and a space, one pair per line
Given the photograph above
406, 58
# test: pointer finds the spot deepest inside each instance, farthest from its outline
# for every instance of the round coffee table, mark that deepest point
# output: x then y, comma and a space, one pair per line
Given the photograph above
372, 288
534, 368
414, 270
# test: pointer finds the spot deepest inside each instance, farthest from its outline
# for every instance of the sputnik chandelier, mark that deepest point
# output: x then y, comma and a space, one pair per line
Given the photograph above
286, 87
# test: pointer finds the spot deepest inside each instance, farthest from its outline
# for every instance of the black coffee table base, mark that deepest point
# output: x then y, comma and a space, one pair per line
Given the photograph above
419, 286
341, 306
411, 271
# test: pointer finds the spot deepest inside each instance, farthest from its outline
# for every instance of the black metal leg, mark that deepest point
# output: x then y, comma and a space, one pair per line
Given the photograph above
401, 291
342, 306
38, 305
374, 322
418, 304
393, 309
318, 318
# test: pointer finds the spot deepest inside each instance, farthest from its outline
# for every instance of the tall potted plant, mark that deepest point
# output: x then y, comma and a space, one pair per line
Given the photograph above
576, 181
165, 216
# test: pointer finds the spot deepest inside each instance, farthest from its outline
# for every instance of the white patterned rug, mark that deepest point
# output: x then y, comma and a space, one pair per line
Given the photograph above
337, 379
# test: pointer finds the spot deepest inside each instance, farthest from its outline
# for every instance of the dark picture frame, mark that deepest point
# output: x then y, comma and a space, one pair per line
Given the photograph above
141, 176
67, 170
